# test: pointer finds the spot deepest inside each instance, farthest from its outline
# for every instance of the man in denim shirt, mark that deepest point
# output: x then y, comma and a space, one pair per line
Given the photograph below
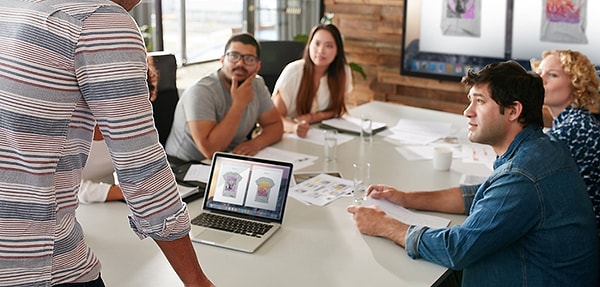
529, 224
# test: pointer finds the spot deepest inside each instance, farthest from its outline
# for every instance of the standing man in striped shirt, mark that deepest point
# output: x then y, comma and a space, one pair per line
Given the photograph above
65, 65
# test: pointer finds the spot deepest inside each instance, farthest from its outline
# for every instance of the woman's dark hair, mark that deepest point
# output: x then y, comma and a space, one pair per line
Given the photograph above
336, 76
509, 82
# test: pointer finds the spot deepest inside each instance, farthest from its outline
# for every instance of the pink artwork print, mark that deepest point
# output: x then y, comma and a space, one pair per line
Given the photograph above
565, 11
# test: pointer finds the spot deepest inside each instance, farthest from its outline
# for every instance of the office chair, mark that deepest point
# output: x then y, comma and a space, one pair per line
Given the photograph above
274, 56
168, 96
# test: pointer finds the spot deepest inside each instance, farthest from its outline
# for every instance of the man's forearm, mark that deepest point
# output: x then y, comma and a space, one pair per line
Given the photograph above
222, 133
397, 232
182, 257
447, 200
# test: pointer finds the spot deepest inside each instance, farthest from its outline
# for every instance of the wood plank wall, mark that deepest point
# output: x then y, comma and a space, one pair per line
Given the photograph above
372, 31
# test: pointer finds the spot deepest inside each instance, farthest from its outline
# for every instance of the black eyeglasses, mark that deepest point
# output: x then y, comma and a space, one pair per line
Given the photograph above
235, 57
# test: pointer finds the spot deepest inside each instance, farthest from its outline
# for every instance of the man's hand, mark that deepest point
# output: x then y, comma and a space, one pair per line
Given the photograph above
391, 194
242, 94
373, 221
248, 148
370, 220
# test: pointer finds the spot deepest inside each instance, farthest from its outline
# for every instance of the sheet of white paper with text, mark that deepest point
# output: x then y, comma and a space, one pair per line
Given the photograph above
409, 217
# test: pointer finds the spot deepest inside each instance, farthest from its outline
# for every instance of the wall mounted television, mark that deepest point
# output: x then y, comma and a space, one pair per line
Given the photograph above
442, 39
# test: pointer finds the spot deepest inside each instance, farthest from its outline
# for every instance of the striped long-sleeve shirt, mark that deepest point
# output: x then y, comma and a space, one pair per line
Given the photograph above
65, 65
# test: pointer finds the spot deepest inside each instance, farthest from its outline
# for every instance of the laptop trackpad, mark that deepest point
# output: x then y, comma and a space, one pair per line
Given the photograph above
212, 236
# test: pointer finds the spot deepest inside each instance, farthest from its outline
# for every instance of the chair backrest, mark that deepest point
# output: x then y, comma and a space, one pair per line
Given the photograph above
274, 56
168, 96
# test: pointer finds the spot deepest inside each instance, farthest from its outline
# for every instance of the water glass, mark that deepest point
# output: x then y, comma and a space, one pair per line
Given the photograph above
330, 149
366, 128
362, 177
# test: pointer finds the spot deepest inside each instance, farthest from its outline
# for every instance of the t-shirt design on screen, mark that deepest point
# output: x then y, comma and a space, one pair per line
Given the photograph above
563, 21
246, 186
462, 18
264, 185
232, 180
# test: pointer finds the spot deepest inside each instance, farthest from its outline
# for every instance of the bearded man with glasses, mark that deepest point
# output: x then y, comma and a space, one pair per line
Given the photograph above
222, 109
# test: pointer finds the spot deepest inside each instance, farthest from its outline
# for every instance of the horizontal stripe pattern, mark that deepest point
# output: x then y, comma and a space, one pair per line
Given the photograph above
65, 65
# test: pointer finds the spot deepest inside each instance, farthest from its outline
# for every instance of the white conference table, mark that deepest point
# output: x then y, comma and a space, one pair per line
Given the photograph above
317, 246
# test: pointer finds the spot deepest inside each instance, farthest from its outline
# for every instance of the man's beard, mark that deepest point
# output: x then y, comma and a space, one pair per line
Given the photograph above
228, 80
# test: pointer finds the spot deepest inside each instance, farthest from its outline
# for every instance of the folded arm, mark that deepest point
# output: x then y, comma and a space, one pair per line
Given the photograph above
272, 131
211, 137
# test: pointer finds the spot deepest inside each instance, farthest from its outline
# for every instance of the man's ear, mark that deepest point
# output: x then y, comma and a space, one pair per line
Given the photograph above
514, 111
258, 65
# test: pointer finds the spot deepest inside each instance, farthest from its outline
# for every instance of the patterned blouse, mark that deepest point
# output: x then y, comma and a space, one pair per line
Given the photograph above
581, 132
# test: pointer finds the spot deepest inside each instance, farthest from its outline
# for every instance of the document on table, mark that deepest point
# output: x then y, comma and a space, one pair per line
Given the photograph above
409, 217
479, 153
424, 152
419, 132
321, 189
197, 172
315, 136
300, 160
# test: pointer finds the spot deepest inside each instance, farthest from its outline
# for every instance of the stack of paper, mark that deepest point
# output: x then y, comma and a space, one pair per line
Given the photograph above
321, 189
419, 132
409, 217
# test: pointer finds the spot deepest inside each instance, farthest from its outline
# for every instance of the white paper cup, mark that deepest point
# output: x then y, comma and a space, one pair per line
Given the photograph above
442, 158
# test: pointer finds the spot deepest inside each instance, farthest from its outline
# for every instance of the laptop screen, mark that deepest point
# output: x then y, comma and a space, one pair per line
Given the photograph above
249, 187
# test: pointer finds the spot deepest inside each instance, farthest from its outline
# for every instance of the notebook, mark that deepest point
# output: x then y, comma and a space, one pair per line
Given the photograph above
350, 124
242, 190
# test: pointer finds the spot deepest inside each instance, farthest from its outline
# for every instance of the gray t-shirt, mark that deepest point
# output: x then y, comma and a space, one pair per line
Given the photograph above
209, 100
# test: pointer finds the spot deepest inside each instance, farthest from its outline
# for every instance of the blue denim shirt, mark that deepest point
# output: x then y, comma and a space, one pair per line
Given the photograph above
529, 224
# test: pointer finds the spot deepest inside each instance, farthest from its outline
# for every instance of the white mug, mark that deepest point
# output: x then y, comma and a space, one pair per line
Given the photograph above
442, 158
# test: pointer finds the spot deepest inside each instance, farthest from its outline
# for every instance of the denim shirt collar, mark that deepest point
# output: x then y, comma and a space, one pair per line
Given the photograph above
528, 132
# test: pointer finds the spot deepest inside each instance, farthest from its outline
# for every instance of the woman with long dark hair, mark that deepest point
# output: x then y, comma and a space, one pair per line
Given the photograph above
315, 87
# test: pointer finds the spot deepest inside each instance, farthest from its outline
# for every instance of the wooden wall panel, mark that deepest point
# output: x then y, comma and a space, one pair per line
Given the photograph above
372, 31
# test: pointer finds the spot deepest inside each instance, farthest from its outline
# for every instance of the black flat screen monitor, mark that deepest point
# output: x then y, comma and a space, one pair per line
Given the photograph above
442, 39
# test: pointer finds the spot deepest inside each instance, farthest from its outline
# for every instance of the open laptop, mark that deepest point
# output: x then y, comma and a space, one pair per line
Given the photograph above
253, 190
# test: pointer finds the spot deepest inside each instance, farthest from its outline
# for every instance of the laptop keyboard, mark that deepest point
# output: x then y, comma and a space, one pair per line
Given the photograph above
235, 225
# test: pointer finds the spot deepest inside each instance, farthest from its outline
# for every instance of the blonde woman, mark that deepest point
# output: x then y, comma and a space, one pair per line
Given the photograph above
571, 88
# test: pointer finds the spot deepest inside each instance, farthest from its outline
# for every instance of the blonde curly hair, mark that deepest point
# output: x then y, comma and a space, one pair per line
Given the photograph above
581, 72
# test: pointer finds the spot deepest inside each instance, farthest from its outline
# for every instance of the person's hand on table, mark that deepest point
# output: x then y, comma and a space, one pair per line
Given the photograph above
248, 148
387, 192
373, 221
301, 128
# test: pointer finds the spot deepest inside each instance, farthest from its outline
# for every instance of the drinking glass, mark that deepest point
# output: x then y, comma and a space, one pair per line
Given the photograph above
362, 177
330, 147
366, 128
